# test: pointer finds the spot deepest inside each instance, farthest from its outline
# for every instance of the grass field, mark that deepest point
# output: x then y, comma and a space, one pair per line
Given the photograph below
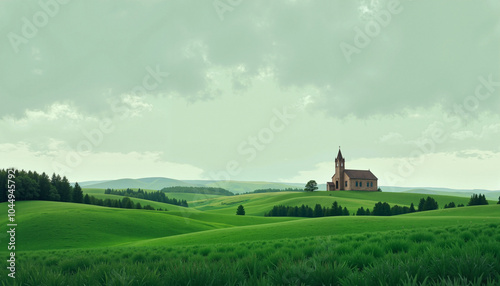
68, 244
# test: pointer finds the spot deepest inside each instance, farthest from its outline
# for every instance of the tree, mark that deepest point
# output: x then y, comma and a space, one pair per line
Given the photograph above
127, 203
318, 210
311, 186
64, 189
412, 208
240, 210
450, 205
27, 188
345, 211
86, 199
476, 200
498, 201
77, 194
361, 211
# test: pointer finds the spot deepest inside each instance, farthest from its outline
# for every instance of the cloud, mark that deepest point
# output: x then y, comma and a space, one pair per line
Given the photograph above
76, 58
23, 155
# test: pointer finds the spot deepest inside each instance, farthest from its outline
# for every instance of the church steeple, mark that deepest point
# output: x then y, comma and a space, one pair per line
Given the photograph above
339, 169
339, 155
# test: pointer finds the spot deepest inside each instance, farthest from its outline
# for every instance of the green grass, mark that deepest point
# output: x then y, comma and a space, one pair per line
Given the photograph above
331, 226
258, 204
75, 244
49, 225
432, 256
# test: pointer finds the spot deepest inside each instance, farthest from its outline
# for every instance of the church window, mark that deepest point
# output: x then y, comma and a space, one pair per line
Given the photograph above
346, 183
356, 183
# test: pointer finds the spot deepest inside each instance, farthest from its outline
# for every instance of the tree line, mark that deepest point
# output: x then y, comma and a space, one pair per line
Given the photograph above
198, 190
385, 209
155, 196
125, 203
34, 186
306, 211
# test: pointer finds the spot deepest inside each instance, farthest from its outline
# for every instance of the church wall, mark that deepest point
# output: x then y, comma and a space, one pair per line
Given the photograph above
362, 184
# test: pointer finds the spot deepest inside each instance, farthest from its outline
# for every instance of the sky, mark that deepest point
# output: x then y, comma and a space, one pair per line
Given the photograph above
253, 90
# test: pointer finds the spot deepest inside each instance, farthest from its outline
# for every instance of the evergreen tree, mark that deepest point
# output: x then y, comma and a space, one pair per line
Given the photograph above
421, 205
498, 201
412, 208
361, 211
64, 189
241, 210
318, 211
345, 211
44, 186
127, 203
77, 194
86, 199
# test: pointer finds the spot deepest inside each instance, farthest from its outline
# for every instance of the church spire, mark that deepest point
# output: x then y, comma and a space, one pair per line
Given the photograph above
339, 155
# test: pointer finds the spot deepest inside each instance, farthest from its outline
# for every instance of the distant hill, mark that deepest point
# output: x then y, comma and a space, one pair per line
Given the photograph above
237, 187
144, 183
160, 183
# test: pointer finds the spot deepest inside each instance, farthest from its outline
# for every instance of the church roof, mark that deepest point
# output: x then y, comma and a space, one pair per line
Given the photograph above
360, 174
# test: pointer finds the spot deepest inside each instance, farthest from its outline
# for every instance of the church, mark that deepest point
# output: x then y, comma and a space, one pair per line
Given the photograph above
351, 180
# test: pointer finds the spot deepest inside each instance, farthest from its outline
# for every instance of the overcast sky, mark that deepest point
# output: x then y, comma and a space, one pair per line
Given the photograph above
253, 90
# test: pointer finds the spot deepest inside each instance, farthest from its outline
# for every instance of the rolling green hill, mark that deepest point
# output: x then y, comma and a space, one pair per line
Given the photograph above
258, 204
48, 225
335, 226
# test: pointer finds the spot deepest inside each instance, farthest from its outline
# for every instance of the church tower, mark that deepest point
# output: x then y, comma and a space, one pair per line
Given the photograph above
339, 169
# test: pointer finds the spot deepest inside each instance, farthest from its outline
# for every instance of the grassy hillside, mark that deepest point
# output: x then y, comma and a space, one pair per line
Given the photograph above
334, 226
65, 225
48, 225
99, 193
258, 204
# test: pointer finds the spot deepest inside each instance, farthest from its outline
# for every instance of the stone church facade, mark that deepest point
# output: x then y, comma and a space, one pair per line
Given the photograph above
351, 180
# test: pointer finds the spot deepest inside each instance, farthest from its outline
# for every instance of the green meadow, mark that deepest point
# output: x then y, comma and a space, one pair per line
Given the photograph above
207, 244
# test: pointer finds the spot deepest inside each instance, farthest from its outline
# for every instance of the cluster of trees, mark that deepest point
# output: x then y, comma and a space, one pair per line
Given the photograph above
384, 209
155, 196
477, 200
452, 205
198, 190
306, 211
125, 203
33, 186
